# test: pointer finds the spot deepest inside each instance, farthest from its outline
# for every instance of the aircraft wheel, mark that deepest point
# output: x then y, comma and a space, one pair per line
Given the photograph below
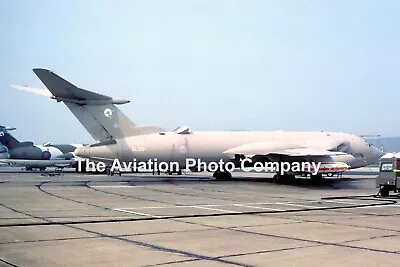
42, 169
385, 191
180, 172
316, 178
284, 179
290, 178
222, 175
28, 168
217, 174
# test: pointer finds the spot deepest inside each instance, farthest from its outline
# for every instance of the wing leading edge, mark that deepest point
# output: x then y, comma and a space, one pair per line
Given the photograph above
286, 149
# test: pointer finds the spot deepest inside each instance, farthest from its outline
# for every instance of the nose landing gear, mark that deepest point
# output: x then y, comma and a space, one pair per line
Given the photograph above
283, 179
222, 175
316, 178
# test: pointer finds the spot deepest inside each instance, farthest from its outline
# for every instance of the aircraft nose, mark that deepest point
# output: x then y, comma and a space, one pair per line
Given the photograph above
377, 153
81, 152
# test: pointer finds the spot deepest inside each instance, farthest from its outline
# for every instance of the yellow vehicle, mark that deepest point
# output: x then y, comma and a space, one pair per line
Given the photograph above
389, 174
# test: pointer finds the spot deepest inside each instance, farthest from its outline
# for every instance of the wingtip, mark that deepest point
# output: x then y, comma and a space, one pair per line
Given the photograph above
36, 70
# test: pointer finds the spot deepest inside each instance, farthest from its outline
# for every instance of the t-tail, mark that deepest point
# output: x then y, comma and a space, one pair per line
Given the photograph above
97, 113
7, 140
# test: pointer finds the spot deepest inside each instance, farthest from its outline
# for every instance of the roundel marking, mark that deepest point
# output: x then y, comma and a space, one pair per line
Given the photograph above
108, 113
9, 143
46, 155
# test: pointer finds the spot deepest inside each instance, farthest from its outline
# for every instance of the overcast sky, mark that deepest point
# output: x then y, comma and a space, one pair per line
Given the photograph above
211, 65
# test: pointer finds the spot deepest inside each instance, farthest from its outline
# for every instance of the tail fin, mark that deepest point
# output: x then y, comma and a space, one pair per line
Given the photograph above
7, 139
96, 112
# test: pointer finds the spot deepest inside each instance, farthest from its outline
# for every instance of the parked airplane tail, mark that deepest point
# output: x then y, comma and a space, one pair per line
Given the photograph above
97, 113
7, 139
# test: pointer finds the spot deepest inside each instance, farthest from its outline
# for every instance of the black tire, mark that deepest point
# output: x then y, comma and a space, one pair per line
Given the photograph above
228, 176
285, 179
316, 178
222, 176
217, 174
385, 191
290, 178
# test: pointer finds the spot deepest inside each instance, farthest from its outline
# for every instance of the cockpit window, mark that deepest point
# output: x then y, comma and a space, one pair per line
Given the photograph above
386, 167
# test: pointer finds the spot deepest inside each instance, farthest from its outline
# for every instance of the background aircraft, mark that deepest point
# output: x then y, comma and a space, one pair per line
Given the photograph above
4, 152
122, 139
32, 156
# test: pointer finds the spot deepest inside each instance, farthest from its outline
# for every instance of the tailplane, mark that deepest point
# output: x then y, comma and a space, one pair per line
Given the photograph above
97, 113
7, 140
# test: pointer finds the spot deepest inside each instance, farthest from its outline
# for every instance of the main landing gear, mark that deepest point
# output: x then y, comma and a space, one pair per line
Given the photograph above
178, 172
169, 172
222, 175
288, 178
316, 178
285, 178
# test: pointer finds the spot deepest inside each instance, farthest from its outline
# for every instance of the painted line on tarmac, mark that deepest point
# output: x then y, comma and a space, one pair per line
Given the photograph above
116, 186
254, 207
176, 207
211, 206
380, 203
137, 213
300, 205
390, 206
221, 210
344, 202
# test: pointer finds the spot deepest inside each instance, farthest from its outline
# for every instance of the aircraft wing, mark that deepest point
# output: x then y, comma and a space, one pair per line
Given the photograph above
307, 152
287, 148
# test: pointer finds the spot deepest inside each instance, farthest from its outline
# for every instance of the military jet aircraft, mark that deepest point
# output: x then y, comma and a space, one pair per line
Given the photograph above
33, 156
121, 139
4, 152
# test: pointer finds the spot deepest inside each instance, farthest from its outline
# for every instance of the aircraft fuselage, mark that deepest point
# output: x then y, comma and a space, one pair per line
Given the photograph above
214, 146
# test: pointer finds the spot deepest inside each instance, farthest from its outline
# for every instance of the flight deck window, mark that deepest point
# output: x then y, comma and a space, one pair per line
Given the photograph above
386, 167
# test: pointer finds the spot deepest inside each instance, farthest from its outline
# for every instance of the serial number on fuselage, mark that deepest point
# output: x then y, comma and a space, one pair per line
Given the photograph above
138, 149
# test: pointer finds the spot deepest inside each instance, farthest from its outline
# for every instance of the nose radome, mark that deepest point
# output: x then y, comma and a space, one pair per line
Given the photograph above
379, 152
81, 152
376, 155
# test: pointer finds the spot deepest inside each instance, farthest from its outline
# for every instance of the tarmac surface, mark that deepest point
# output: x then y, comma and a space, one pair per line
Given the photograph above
192, 220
